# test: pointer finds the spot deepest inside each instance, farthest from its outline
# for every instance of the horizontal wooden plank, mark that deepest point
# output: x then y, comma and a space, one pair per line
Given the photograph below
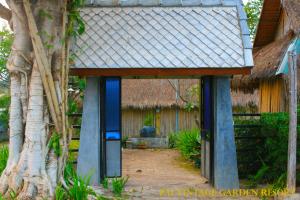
159, 72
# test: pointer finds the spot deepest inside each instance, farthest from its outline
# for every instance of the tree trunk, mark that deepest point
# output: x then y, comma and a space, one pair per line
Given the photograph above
38, 99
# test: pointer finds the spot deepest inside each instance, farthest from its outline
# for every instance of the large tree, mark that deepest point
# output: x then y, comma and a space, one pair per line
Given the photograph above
38, 70
253, 10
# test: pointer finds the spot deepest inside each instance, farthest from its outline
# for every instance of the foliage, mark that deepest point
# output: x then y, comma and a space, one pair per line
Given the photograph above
5, 48
188, 142
275, 127
76, 24
149, 120
253, 9
60, 193
273, 152
54, 144
13, 195
4, 114
258, 177
3, 157
118, 185
124, 141
173, 137
192, 97
72, 106
78, 188
105, 183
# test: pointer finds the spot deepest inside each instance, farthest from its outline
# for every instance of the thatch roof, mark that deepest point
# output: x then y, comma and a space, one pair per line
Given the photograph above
292, 8
268, 22
154, 93
268, 53
266, 63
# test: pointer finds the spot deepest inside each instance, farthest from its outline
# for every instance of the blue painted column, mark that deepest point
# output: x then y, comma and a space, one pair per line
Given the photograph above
89, 149
207, 128
225, 162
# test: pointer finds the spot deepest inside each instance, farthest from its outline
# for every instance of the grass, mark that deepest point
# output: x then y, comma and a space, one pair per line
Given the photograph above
3, 157
118, 185
105, 183
3, 143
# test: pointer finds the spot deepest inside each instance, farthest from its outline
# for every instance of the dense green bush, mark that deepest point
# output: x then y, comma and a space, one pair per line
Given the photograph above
3, 157
274, 150
188, 142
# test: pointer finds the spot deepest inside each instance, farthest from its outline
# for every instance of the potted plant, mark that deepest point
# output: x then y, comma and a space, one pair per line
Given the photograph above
148, 130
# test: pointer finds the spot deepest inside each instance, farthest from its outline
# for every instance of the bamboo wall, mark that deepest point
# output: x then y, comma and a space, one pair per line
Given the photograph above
164, 120
272, 95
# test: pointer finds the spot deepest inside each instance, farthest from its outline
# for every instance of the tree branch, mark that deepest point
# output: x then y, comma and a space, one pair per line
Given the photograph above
5, 13
183, 99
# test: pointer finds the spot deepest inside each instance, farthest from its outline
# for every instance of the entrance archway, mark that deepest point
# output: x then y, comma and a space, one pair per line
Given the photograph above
162, 39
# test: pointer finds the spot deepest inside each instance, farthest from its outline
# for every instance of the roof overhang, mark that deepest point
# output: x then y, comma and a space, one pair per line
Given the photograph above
268, 23
159, 73
164, 41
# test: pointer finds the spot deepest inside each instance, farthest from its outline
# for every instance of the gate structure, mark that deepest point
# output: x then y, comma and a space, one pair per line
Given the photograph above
207, 39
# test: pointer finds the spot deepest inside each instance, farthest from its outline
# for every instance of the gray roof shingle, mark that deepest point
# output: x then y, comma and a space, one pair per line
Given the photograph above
162, 37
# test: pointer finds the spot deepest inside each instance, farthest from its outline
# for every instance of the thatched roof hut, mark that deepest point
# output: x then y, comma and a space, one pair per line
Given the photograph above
156, 93
278, 26
266, 60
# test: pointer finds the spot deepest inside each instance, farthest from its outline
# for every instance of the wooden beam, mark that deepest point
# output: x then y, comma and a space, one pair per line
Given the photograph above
158, 72
44, 68
292, 147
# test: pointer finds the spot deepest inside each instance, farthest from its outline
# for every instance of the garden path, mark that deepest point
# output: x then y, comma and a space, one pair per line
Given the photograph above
152, 173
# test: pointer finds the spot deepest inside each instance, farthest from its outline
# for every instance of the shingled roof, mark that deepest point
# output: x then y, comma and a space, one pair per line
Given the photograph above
164, 34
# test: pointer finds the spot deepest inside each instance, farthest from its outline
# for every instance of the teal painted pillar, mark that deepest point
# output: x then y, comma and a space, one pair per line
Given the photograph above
225, 161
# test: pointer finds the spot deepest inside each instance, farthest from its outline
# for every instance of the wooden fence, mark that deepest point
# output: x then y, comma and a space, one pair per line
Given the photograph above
248, 141
247, 137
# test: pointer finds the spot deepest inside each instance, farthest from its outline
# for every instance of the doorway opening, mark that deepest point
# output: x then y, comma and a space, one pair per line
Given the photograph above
138, 119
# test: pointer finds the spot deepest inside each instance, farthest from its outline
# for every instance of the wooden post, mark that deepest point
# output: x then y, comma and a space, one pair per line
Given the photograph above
292, 147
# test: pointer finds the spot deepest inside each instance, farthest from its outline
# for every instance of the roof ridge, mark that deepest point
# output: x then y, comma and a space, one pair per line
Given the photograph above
162, 2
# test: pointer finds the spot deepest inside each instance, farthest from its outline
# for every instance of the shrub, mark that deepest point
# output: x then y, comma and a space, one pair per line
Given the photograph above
274, 150
3, 157
118, 185
172, 139
275, 126
189, 144
149, 120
